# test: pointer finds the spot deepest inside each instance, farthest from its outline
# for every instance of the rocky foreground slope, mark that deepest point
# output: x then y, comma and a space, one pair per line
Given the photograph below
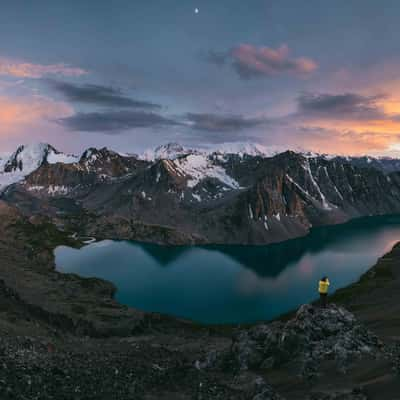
64, 337
180, 196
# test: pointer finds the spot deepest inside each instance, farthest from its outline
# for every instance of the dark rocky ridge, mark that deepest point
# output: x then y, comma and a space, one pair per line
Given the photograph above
46, 317
384, 164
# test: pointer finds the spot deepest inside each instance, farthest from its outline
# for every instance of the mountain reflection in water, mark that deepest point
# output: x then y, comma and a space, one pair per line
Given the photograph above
220, 284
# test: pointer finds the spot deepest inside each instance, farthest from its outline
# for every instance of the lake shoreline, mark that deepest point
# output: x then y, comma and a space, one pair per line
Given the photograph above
252, 280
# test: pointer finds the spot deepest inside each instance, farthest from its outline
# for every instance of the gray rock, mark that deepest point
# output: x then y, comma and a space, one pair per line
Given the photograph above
313, 335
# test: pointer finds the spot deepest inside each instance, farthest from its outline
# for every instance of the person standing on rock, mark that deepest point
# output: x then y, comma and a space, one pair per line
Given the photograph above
323, 290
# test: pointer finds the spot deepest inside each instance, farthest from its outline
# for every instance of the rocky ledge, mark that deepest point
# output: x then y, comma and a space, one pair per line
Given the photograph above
297, 357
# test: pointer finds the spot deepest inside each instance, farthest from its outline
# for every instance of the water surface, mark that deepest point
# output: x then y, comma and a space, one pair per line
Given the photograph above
234, 284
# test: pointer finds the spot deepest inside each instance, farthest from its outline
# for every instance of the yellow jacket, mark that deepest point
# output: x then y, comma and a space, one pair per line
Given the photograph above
323, 286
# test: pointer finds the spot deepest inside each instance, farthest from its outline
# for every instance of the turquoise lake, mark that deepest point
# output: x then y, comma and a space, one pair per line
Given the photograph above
234, 284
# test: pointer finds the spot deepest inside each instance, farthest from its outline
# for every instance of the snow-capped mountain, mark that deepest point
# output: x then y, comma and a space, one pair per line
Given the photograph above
193, 165
28, 158
169, 151
197, 167
3, 159
245, 148
242, 193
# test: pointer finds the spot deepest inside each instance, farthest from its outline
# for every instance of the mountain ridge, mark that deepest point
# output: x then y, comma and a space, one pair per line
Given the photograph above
205, 197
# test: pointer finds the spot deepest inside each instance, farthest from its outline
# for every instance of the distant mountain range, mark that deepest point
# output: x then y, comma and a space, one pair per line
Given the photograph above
238, 193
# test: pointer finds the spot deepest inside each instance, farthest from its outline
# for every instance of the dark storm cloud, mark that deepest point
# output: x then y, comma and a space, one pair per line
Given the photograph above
114, 121
251, 62
221, 123
98, 95
343, 106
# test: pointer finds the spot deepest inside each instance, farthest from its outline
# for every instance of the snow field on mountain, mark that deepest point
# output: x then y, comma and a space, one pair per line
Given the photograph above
199, 167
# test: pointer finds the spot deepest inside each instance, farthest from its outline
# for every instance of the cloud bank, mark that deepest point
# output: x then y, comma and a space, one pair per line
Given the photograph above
342, 106
252, 62
114, 121
98, 95
221, 123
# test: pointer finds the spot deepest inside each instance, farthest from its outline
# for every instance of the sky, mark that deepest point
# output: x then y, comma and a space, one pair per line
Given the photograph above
130, 74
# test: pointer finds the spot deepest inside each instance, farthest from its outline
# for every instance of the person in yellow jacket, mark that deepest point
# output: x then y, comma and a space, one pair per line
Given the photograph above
323, 288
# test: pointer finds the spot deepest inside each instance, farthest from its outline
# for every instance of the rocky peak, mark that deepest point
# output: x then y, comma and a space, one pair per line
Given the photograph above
92, 154
108, 163
28, 157
166, 172
169, 151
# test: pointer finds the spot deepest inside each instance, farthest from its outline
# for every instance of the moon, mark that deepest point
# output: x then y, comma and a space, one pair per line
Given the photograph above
196, 10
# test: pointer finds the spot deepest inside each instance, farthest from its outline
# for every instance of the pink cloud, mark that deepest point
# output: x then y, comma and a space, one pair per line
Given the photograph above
19, 113
20, 69
252, 62
30, 119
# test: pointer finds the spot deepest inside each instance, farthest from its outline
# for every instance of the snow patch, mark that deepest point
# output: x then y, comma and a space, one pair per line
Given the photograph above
199, 167
55, 189
53, 158
251, 216
338, 192
247, 148
197, 197
52, 190
169, 151
7, 179
325, 204
298, 186
28, 158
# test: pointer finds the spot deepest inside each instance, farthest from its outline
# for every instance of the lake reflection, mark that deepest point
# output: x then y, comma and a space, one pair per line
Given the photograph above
222, 284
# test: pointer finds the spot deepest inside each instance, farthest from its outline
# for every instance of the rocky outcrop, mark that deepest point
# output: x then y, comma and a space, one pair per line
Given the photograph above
311, 337
302, 356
